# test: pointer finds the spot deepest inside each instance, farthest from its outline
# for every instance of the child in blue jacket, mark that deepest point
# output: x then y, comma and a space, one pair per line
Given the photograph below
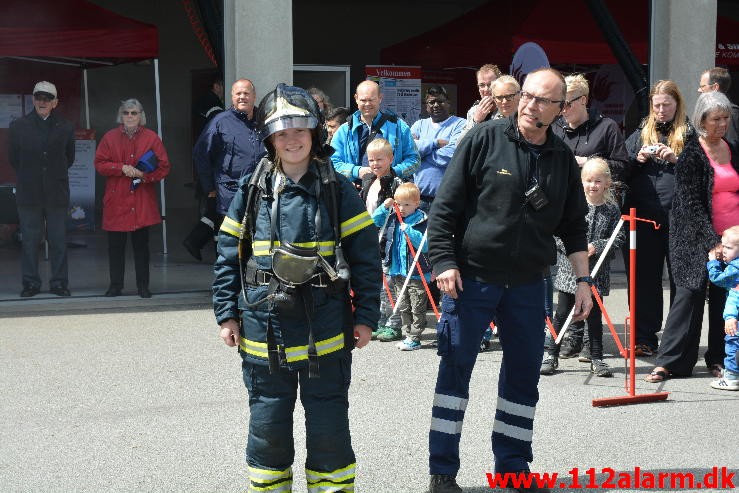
398, 259
725, 273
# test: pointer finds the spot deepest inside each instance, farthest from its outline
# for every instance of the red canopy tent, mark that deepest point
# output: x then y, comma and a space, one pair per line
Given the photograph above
73, 29
67, 35
565, 30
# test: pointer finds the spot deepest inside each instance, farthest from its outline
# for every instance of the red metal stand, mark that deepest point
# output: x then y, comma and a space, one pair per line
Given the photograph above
631, 398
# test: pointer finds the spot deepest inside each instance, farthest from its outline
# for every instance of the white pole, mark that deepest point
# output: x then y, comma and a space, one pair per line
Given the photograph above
410, 271
87, 99
602, 257
159, 132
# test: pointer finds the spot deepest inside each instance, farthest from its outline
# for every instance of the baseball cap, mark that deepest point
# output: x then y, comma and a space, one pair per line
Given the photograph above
45, 88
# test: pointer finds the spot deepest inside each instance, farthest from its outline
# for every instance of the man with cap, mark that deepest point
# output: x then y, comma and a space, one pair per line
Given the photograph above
295, 237
41, 150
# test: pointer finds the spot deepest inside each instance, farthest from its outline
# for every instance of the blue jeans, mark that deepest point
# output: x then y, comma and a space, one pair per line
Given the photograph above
32, 227
520, 310
731, 362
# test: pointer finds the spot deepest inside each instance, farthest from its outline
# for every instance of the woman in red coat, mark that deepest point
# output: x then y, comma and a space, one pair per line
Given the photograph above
130, 202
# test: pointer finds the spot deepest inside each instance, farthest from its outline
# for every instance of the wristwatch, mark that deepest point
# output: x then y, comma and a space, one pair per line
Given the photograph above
586, 279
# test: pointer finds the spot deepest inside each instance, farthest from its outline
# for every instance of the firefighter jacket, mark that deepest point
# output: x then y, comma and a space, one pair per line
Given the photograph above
303, 208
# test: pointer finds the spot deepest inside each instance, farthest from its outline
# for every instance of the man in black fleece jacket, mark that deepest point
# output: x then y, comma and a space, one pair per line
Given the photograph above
510, 187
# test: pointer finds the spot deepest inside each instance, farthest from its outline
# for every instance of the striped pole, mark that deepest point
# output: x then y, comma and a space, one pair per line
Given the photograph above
632, 397
632, 301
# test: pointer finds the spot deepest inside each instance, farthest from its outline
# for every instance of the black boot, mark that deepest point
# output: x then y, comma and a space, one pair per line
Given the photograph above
198, 237
443, 483
144, 291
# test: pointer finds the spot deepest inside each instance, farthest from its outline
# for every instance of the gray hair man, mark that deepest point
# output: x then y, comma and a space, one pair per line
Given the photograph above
511, 186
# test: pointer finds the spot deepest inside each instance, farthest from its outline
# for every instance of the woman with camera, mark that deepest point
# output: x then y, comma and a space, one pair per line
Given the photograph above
653, 150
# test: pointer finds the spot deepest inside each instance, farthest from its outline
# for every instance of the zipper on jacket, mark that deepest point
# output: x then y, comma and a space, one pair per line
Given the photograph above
523, 222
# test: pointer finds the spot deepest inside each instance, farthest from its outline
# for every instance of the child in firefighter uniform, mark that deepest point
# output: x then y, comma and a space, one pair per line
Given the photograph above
296, 238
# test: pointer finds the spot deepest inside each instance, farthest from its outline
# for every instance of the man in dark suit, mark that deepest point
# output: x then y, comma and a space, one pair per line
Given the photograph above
41, 150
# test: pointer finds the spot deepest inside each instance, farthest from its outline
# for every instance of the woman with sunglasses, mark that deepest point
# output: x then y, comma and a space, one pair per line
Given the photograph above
130, 202
588, 134
506, 93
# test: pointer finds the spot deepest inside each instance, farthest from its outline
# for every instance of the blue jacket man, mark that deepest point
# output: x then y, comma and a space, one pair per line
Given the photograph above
229, 147
351, 139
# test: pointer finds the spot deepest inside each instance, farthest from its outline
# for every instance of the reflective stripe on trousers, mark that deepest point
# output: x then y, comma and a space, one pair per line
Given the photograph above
272, 481
520, 312
339, 480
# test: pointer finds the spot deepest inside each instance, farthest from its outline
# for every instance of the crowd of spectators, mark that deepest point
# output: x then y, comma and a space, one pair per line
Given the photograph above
677, 171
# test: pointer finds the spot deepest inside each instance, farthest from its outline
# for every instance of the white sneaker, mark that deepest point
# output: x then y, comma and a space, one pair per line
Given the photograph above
408, 344
725, 384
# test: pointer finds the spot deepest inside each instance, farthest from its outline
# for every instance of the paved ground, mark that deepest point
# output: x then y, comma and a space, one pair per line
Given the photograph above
142, 396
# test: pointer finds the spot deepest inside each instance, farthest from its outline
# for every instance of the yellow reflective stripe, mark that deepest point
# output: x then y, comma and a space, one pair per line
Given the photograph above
354, 224
294, 353
329, 487
330, 345
325, 248
260, 247
231, 227
258, 349
338, 475
281, 487
333, 481
270, 480
323, 347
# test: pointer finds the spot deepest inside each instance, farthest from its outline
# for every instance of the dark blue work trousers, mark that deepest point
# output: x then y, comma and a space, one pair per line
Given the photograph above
519, 311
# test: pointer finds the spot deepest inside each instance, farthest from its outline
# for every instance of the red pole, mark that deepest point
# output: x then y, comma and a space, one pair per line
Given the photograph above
632, 398
632, 301
387, 290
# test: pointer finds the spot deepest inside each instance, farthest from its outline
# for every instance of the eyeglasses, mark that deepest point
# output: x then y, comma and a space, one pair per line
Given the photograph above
433, 102
132, 113
701, 86
526, 97
568, 104
505, 97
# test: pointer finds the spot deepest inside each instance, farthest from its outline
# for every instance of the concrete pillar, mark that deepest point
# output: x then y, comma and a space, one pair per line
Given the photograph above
258, 43
683, 43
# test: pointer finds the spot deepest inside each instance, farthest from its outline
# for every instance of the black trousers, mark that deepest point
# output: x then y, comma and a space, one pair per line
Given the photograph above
117, 256
652, 251
565, 302
716, 351
681, 337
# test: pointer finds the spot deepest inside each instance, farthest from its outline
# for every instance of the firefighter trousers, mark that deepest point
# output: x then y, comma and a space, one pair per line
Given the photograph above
330, 461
